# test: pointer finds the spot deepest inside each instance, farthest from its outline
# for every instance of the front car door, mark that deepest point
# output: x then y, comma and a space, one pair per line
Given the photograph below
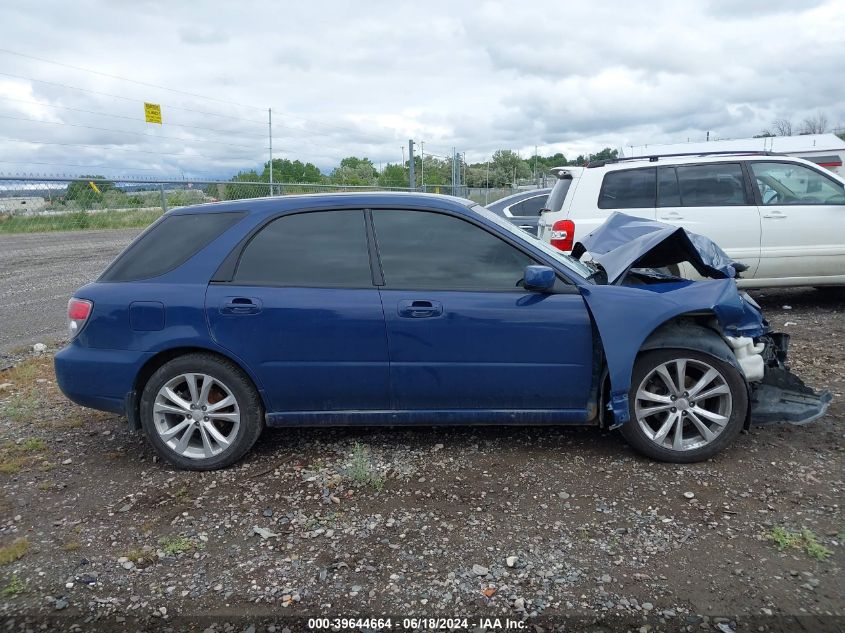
302, 311
714, 200
462, 332
803, 214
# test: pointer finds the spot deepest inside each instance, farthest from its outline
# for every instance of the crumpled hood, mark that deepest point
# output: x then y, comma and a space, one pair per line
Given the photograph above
624, 242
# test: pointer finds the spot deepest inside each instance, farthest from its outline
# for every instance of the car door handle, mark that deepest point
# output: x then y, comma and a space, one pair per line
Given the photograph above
672, 215
419, 309
240, 305
775, 216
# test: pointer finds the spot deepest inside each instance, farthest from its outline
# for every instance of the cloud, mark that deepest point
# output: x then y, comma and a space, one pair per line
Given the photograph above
344, 79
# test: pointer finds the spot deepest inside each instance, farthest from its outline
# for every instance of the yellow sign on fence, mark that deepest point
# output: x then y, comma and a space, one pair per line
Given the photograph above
152, 113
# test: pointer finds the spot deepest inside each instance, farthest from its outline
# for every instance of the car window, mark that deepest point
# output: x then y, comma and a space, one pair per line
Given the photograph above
711, 185
530, 206
668, 192
316, 249
169, 243
628, 189
420, 249
557, 196
791, 183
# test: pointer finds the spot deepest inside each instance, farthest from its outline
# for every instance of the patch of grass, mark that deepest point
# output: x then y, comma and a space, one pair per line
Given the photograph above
135, 554
71, 546
14, 456
173, 545
32, 444
16, 586
25, 372
13, 551
361, 471
11, 464
804, 540
182, 494
19, 406
79, 220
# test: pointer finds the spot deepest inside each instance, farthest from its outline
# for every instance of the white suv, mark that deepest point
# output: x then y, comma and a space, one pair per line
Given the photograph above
783, 217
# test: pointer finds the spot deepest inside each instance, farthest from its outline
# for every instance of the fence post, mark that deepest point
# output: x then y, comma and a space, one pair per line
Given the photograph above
163, 199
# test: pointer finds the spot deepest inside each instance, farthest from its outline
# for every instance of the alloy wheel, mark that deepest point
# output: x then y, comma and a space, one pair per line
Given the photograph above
683, 404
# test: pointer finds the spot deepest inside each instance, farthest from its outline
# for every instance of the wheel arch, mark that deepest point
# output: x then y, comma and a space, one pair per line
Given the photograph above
133, 399
698, 331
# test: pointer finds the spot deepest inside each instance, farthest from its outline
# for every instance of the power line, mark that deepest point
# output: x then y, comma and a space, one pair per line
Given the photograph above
123, 116
174, 90
135, 100
105, 129
134, 81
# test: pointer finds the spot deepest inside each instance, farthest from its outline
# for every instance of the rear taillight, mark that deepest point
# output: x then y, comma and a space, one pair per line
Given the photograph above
563, 234
78, 311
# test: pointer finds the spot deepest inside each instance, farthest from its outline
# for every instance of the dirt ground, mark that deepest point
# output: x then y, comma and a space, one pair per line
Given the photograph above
553, 527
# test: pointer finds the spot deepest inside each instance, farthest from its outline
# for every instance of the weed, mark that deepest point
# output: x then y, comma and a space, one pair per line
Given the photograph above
19, 406
11, 464
173, 545
135, 554
16, 586
71, 546
361, 470
804, 540
32, 444
13, 551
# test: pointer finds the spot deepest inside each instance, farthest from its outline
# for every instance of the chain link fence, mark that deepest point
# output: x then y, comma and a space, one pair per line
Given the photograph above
57, 234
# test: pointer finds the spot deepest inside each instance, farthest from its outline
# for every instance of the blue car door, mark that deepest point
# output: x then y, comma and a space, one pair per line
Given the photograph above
463, 334
302, 312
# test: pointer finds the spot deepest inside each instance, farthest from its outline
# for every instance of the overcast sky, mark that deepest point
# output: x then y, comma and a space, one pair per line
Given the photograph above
361, 78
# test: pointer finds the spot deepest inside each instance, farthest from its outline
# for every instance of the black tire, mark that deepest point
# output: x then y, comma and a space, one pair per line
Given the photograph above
646, 363
247, 399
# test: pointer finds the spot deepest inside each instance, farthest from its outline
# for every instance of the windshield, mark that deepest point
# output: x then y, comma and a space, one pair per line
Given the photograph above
571, 263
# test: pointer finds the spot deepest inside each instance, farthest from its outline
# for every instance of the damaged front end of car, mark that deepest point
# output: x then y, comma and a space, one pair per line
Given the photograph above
629, 256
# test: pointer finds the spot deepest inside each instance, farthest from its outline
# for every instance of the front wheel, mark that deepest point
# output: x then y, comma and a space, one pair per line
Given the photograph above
685, 405
201, 412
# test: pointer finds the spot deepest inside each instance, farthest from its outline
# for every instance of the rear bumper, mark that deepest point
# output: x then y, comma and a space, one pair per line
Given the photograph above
98, 378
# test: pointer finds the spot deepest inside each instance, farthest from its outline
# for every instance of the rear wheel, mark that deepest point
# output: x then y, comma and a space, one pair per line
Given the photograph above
201, 412
685, 405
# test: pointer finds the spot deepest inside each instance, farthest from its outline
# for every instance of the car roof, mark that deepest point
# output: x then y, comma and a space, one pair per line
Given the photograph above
364, 199
520, 196
727, 157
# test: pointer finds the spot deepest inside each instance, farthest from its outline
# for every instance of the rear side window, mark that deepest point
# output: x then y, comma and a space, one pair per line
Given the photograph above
530, 206
318, 249
668, 193
711, 185
628, 189
168, 244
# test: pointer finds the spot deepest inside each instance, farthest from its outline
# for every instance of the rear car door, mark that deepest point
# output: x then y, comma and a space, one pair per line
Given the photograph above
302, 311
803, 220
463, 334
712, 199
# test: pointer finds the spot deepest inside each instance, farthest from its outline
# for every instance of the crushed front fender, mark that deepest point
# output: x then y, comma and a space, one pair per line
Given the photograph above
625, 316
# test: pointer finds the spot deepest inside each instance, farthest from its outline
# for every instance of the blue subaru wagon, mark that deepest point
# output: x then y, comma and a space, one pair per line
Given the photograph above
414, 309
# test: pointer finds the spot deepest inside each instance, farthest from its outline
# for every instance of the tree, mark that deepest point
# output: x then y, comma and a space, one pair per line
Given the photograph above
393, 176
506, 167
782, 127
82, 190
355, 171
816, 124
285, 170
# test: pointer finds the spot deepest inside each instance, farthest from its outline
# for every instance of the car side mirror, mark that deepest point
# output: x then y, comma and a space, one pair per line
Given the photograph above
538, 278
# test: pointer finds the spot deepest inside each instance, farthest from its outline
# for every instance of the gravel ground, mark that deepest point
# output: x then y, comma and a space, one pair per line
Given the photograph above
527, 524
40, 271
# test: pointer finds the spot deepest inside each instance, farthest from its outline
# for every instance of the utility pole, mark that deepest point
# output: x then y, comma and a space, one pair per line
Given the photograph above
412, 179
270, 131
422, 165
487, 190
